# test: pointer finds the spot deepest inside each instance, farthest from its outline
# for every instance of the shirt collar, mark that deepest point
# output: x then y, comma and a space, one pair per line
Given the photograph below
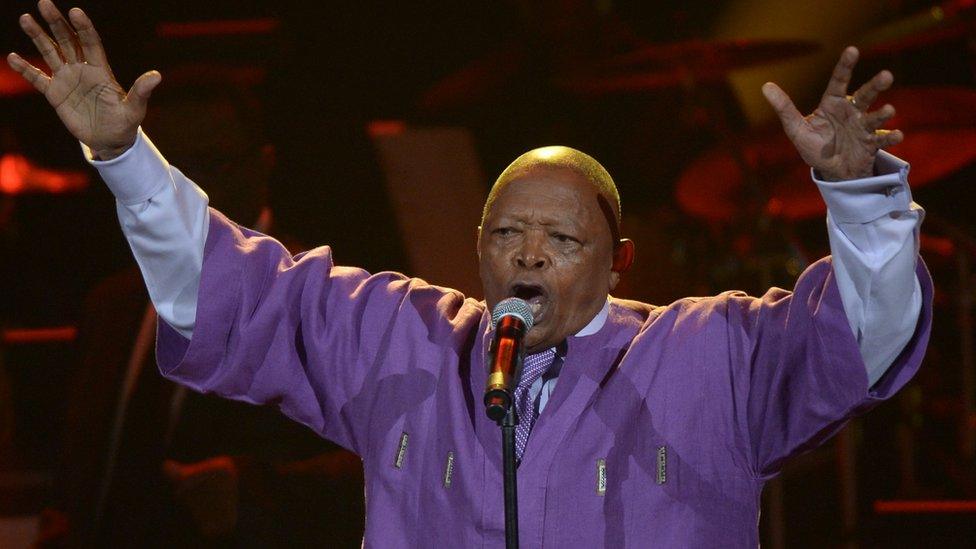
598, 321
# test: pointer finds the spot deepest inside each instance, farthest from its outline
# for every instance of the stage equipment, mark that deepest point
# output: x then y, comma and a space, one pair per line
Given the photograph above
681, 64
511, 319
761, 174
952, 20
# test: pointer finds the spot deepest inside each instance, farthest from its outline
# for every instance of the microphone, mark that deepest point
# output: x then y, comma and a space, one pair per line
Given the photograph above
512, 319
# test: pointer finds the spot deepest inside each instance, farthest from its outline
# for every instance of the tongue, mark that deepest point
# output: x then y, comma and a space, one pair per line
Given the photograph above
535, 303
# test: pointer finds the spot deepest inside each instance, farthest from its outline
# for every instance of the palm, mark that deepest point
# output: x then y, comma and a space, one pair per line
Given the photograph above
840, 139
90, 103
834, 137
81, 87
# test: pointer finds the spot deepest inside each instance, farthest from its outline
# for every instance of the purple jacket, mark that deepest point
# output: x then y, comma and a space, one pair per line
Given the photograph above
661, 431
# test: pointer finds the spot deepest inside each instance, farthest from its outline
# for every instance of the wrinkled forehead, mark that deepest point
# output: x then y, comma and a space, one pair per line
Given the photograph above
577, 197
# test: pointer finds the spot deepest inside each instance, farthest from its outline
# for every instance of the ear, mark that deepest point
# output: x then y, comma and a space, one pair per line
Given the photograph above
477, 233
623, 256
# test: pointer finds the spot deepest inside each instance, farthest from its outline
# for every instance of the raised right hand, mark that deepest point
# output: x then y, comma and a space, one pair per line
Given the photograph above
81, 86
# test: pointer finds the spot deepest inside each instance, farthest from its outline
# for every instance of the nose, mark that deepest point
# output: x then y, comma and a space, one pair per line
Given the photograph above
532, 254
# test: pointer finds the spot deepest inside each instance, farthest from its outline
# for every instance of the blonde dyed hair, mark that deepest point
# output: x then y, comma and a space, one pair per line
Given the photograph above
557, 157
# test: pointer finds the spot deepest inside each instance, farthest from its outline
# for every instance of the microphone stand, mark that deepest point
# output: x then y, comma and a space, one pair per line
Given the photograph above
506, 350
508, 423
507, 420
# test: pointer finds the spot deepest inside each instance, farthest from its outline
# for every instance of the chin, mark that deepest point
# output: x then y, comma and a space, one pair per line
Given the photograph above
533, 345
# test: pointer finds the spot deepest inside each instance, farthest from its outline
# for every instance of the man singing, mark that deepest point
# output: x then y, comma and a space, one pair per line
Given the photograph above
640, 425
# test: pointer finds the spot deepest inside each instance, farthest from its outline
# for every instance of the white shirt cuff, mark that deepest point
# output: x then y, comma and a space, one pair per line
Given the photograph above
141, 159
870, 198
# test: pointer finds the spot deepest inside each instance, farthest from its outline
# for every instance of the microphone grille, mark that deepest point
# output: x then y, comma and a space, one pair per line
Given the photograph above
512, 306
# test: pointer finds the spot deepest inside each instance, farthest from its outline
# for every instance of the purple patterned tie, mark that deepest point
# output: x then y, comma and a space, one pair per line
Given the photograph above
532, 368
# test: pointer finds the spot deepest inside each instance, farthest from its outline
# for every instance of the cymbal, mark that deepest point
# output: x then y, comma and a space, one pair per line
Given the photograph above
477, 82
940, 139
673, 64
950, 20
19, 175
646, 68
708, 54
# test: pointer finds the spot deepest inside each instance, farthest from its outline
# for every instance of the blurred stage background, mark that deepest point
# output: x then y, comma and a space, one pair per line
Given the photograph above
389, 120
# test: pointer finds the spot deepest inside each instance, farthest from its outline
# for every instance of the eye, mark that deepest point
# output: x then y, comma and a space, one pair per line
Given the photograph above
505, 231
564, 238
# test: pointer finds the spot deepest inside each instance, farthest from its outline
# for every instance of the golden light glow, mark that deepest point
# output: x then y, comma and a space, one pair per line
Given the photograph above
833, 23
546, 153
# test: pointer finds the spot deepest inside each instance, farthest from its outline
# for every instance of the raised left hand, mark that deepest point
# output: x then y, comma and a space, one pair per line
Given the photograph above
840, 139
81, 87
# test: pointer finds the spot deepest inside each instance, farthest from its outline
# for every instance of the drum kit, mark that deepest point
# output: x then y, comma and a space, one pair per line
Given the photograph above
724, 184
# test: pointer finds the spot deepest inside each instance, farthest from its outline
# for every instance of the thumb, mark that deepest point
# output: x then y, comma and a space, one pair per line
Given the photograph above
142, 88
789, 116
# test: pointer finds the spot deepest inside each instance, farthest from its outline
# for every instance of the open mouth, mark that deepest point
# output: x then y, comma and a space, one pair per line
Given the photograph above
533, 294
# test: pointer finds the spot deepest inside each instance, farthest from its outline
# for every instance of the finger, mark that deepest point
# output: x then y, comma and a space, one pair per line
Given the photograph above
887, 138
63, 33
841, 77
788, 114
44, 44
29, 72
142, 88
876, 119
91, 43
866, 94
